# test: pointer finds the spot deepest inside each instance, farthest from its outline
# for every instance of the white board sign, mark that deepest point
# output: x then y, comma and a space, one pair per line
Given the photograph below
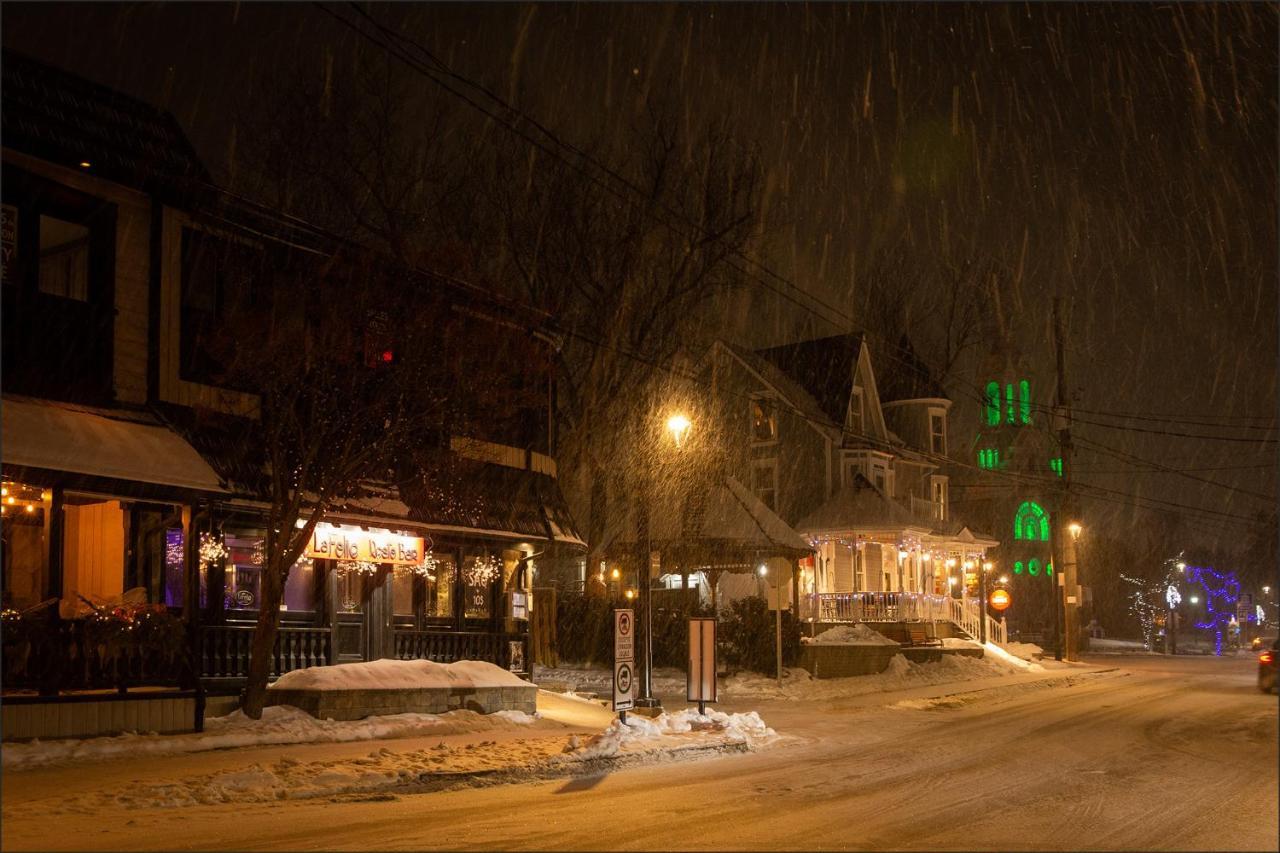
700, 681
624, 660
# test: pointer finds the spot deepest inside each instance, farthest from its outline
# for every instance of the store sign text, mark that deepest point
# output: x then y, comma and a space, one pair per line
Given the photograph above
331, 543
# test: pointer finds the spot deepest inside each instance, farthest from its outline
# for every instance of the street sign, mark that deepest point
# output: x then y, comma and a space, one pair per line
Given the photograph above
700, 681
1244, 607
1000, 600
624, 660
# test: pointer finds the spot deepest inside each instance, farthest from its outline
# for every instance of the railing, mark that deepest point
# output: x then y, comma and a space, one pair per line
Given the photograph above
224, 649
509, 651
903, 607
53, 654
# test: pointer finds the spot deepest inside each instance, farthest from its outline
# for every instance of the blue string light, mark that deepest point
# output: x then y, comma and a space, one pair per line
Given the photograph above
1221, 591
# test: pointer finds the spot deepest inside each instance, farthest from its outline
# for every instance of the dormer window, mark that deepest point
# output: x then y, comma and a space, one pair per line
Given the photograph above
764, 421
855, 411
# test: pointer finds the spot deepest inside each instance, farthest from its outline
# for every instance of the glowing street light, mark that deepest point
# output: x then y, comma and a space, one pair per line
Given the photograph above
762, 570
1075, 528
1182, 567
678, 425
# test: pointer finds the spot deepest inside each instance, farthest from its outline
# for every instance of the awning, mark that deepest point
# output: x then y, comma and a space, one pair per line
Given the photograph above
56, 437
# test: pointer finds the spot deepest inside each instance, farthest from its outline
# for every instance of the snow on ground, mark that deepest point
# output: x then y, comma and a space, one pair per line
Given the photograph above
959, 643
641, 734
600, 681
798, 685
850, 635
280, 724
398, 675
1002, 656
1026, 651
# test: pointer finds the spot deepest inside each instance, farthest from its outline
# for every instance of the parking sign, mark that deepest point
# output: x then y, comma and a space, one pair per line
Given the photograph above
624, 659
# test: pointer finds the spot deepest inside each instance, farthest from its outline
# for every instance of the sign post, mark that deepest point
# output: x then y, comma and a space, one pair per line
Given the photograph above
624, 661
700, 682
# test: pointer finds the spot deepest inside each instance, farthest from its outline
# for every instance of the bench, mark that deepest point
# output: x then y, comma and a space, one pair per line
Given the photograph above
918, 637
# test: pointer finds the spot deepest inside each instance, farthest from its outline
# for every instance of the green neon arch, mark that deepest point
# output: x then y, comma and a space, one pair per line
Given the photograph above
1031, 523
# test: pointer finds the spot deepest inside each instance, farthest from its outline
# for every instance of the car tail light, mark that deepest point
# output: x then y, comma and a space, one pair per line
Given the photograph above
1266, 657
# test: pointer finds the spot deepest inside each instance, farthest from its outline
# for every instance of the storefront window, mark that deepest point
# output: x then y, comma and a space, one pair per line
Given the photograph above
93, 552
243, 587
174, 578
440, 593
350, 589
300, 586
478, 575
25, 512
402, 580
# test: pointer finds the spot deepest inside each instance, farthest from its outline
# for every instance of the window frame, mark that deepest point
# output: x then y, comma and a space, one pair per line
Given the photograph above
771, 465
937, 441
771, 413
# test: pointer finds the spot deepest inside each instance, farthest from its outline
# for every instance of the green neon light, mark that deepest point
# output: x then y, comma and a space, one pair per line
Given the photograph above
1033, 567
1008, 402
1056, 465
993, 404
1048, 568
1017, 567
1031, 523
1024, 401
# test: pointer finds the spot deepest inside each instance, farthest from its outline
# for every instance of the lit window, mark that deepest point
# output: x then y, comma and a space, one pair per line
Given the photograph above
1008, 403
1056, 465
1024, 400
993, 404
764, 421
1017, 567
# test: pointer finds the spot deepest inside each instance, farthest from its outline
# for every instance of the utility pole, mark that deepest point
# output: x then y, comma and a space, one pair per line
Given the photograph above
1067, 549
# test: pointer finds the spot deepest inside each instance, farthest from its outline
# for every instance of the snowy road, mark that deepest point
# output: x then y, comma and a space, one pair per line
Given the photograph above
1159, 754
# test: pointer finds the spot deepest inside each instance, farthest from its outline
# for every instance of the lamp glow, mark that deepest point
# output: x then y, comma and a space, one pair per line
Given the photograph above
678, 425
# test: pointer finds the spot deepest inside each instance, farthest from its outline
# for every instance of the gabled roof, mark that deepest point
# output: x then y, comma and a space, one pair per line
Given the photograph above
860, 505
59, 117
902, 375
788, 388
823, 367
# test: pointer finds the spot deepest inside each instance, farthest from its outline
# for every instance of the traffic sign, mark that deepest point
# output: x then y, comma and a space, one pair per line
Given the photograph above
624, 658
1000, 599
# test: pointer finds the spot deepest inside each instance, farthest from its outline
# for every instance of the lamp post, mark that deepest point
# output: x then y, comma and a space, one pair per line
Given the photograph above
777, 622
678, 426
1071, 604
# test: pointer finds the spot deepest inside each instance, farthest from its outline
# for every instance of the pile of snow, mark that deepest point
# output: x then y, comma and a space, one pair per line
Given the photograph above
850, 635
799, 685
280, 724
1026, 651
599, 680
399, 675
672, 730
959, 643
999, 655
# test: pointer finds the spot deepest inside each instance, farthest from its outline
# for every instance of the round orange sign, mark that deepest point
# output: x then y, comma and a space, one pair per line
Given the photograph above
1000, 599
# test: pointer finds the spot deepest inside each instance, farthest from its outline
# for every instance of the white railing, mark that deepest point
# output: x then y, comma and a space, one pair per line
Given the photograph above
903, 607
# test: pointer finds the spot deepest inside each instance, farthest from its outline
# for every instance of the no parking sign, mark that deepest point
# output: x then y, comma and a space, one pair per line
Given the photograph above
624, 658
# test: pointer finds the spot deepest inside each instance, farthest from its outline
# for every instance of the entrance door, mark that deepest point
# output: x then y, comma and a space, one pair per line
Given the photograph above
361, 614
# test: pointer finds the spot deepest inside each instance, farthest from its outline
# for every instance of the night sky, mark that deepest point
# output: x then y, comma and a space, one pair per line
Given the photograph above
1121, 156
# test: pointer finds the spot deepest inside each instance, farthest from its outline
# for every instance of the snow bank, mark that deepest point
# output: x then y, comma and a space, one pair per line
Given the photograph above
668, 730
280, 724
849, 635
1026, 651
399, 675
959, 643
1003, 657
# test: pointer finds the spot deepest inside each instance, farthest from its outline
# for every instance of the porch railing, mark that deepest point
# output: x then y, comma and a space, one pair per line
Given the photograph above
224, 649
509, 651
902, 607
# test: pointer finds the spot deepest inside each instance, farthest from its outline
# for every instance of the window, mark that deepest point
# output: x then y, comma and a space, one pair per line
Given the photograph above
244, 566
217, 287
300, 587
1031, 523
93, 552
1055, 465
1008, 401
1024, 401
479, 574
764, 421
64, 259
992, 404
940, 498
764, 481
440, 592
989, 458
880, 475
22, 553
855, 411
938, 432
402, 578
1033, 567
1017, 567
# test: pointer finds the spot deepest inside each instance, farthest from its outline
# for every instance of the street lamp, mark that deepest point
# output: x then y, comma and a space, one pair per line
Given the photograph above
763, 571
678, 425
1074, 528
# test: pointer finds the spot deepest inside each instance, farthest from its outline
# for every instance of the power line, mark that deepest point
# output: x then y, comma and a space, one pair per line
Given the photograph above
1119, 454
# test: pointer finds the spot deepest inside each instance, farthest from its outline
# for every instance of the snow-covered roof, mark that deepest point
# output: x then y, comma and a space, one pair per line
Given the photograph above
860, 505
127, 446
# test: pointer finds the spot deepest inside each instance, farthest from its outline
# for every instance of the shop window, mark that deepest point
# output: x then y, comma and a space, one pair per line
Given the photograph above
243, 573
25, 513
174, 576
93, 552
479, 574
300, 587
350, 589
402, 579
441, 591
764, 420
156, 566
64, 259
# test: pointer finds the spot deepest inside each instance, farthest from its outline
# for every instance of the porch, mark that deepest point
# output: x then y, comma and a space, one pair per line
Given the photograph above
843, 607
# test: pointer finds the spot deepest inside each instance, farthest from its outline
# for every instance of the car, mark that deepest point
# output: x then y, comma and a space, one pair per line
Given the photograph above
1259, 643
1267, 667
